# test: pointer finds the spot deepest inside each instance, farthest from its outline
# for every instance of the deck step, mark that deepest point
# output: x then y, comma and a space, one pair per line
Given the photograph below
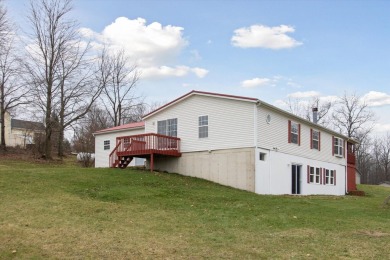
122, 162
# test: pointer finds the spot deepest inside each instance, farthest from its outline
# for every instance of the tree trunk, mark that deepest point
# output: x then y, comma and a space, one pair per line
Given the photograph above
2, 123
48, 128
61, 143
2, 118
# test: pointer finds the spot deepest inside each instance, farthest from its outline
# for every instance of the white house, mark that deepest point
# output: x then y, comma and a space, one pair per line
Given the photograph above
235, 141
21, 132
105, 142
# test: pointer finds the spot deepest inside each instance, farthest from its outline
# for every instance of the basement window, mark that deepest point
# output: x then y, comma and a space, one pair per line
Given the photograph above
330, 177
314, 175
262, 156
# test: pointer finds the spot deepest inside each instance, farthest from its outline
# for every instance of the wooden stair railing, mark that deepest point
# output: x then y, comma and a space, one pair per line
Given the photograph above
120, 161
113, 155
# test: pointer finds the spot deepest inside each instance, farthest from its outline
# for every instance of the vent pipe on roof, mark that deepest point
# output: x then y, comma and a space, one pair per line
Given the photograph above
315, 115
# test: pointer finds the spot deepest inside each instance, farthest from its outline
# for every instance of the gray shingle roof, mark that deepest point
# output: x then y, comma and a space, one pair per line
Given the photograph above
23, 124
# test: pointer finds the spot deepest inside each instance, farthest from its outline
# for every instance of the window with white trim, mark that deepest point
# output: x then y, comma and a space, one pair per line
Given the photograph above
167, 127
106, 144
315, 175
203, 126
294, 133
315, 139
329, 177
338, 146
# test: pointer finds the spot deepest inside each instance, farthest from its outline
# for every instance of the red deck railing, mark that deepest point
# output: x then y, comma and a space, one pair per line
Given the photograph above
145, 144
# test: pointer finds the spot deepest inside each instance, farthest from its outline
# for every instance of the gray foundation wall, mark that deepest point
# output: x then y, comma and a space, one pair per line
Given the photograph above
230, 167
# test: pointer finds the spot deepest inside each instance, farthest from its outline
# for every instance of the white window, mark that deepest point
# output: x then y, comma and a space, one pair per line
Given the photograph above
338, 146
167, 127
329, 177
315, 140
315, 175
294, 133
318, 175
106, 144
203, 126
312, 175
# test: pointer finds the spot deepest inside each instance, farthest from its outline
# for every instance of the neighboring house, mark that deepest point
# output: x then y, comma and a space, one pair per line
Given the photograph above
21, 132
236, 141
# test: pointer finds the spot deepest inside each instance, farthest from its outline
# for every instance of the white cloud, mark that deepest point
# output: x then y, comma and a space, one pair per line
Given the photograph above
280, 103
256, 82
305, 94
166, 71
374, 99
332, 99
153, 47
260, 36
382, 128
201, 73
293, 84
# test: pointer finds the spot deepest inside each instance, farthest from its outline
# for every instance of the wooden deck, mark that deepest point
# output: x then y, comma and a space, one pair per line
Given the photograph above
143, 146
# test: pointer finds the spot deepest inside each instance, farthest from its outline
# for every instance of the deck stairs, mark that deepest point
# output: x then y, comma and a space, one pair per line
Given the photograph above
122, 162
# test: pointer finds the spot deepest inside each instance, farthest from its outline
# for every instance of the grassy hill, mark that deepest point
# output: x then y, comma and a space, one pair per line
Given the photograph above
63, 211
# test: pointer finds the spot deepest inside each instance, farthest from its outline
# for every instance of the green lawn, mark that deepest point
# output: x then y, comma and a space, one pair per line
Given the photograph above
62, 211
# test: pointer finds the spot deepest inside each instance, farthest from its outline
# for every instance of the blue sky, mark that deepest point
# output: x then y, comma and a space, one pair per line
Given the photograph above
271, 50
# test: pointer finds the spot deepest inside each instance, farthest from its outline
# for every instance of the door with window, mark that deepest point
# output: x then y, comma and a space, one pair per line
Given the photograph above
167, 127
296, 178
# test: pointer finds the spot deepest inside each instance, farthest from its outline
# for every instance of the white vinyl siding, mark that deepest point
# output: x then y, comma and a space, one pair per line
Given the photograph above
274, 136
101, 155
232, 122
273, 176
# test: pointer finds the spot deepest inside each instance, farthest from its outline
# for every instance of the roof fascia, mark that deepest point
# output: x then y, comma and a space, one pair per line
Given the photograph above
200, 93
298, 118
118, 130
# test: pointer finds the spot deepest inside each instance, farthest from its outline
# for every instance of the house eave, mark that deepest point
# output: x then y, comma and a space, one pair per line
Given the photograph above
118, 130
298, 118
200, 93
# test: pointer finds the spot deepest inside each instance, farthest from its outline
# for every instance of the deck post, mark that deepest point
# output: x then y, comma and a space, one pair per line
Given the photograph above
151, 162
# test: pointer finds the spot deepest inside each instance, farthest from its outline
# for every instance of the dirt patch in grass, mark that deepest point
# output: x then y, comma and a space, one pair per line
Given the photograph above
371, 233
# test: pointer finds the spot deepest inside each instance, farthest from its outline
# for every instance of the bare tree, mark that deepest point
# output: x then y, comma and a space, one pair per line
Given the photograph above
95, 120
118, 95
376, 171
352, 116
303, 109
78, 90
57, 67
364, 158
12, 92
384, 158
4, 25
